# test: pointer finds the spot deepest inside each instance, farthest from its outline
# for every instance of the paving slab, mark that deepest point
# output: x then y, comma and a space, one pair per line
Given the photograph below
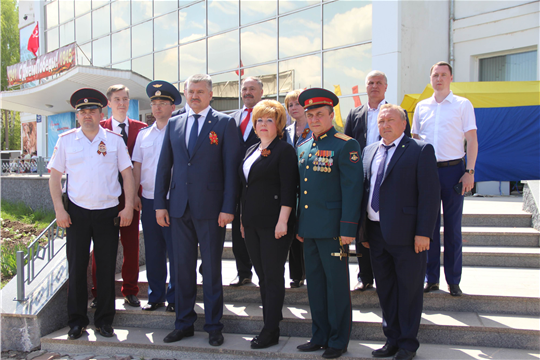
148, 343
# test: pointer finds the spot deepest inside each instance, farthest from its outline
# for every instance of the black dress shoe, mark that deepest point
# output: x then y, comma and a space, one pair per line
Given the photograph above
265, 339
386, 351
132, 300
431, 287
177, 335
105, 330
76, 332
309, 347
170, 308
455, 290
93, 304
332, 353
238, 281
361, 286
215, 338
296, 283
403, 354
151, 306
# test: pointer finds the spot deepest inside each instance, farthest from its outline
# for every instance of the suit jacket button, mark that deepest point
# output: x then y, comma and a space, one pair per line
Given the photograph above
246, 185
188, 164
306, 206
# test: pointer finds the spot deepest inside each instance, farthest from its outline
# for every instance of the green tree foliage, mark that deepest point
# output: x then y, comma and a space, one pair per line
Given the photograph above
10, 37
9, 34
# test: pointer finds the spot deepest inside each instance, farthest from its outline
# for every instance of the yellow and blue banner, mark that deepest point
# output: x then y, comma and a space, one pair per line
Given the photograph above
508, 122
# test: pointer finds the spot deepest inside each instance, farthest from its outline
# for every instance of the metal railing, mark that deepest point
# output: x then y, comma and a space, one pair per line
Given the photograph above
21, 166
35, 251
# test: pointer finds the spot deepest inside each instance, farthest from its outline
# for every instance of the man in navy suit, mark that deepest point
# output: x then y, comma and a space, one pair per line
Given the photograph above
203, 147
400, 208
362, 125
252, 91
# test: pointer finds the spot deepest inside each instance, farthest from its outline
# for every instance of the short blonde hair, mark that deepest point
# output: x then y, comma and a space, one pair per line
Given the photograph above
273, 109
399, 109
291, 96
114, 88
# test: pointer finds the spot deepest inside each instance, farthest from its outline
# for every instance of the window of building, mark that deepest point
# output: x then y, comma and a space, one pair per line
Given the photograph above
346, 22
121, 46
252, 11
142, 39
144, 66
66, 10
82, 7
101, 21
192, 59
67, 33
192, 21
121, 15
222, 15
511, 67
101, 51
259, 43
52, 39
300, 33
164, 7
51, 14
165, 31
223, 52
83, 28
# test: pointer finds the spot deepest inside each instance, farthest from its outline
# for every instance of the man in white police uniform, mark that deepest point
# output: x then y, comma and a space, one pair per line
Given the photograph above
91, 157
157, 240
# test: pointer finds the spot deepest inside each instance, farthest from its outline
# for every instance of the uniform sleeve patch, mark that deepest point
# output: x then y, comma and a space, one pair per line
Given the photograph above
353, 156
342, 136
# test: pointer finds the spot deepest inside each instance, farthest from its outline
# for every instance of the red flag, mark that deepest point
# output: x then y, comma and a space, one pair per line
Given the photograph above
33, 41
241, 72
356, 99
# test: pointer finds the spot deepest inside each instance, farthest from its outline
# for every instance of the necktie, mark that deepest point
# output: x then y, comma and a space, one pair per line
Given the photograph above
194, 134
123, 132
244, 123
378, 181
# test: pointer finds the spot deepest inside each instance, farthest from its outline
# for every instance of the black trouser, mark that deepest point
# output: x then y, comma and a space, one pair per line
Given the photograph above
241, 255
365, 272
269, 256
98, 226
297, 269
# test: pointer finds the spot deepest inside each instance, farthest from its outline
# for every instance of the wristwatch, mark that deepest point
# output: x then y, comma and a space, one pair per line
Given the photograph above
470, 171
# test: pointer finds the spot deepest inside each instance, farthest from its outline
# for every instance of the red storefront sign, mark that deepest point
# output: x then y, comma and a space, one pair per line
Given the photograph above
43, 66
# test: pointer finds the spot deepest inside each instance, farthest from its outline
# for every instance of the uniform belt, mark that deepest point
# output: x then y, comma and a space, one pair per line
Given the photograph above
449, 163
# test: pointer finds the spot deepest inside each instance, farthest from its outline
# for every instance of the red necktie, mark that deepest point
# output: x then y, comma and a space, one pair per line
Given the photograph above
244, 123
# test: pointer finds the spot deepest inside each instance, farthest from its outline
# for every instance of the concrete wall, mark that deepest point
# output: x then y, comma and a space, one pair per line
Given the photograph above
491, 28
30, 189
425, 26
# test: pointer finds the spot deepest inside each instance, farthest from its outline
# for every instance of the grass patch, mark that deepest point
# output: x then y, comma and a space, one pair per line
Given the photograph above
20, 225
25, 214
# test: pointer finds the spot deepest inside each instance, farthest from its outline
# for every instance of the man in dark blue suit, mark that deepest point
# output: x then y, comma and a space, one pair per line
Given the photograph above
401, 204
362, 125
203, 147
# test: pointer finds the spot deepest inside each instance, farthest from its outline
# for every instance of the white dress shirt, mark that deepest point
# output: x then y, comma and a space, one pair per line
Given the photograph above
249, 162
372, 127
444, 125
249, 124
91, 166
190, 120
117, 129
372, 214
146, 151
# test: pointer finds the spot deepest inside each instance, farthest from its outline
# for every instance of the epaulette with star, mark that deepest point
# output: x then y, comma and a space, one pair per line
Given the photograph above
112, 132
67, 132
342, 136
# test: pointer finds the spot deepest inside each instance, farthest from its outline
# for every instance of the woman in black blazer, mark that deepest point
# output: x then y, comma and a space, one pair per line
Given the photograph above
269, 175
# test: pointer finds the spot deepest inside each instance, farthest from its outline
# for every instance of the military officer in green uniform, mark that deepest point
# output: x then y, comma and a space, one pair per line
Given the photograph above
331, 184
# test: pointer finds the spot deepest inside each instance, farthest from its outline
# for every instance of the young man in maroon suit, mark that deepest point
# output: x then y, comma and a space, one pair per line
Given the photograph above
118, 96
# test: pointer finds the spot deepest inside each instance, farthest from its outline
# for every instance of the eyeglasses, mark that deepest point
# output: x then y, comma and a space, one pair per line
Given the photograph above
160, 104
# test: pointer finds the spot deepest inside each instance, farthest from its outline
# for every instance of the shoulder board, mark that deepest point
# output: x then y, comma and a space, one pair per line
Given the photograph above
112, 132
68, 132
305, 141
144, 128
342, 136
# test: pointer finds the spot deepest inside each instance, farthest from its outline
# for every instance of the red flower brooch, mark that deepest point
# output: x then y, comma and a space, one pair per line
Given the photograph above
213, 138
265, 152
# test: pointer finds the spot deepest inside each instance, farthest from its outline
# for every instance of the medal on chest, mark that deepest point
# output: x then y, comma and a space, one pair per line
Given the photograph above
323, 161
102, 149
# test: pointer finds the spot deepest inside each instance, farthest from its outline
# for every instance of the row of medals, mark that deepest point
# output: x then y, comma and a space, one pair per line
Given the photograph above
323, 163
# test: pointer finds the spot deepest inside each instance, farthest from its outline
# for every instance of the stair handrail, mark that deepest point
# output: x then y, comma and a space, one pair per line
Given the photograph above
53, 231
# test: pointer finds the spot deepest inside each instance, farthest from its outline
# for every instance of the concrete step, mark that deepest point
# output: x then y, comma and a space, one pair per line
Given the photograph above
436, 327
521, 257
505, 220
148, 344
487, 289
499, 236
